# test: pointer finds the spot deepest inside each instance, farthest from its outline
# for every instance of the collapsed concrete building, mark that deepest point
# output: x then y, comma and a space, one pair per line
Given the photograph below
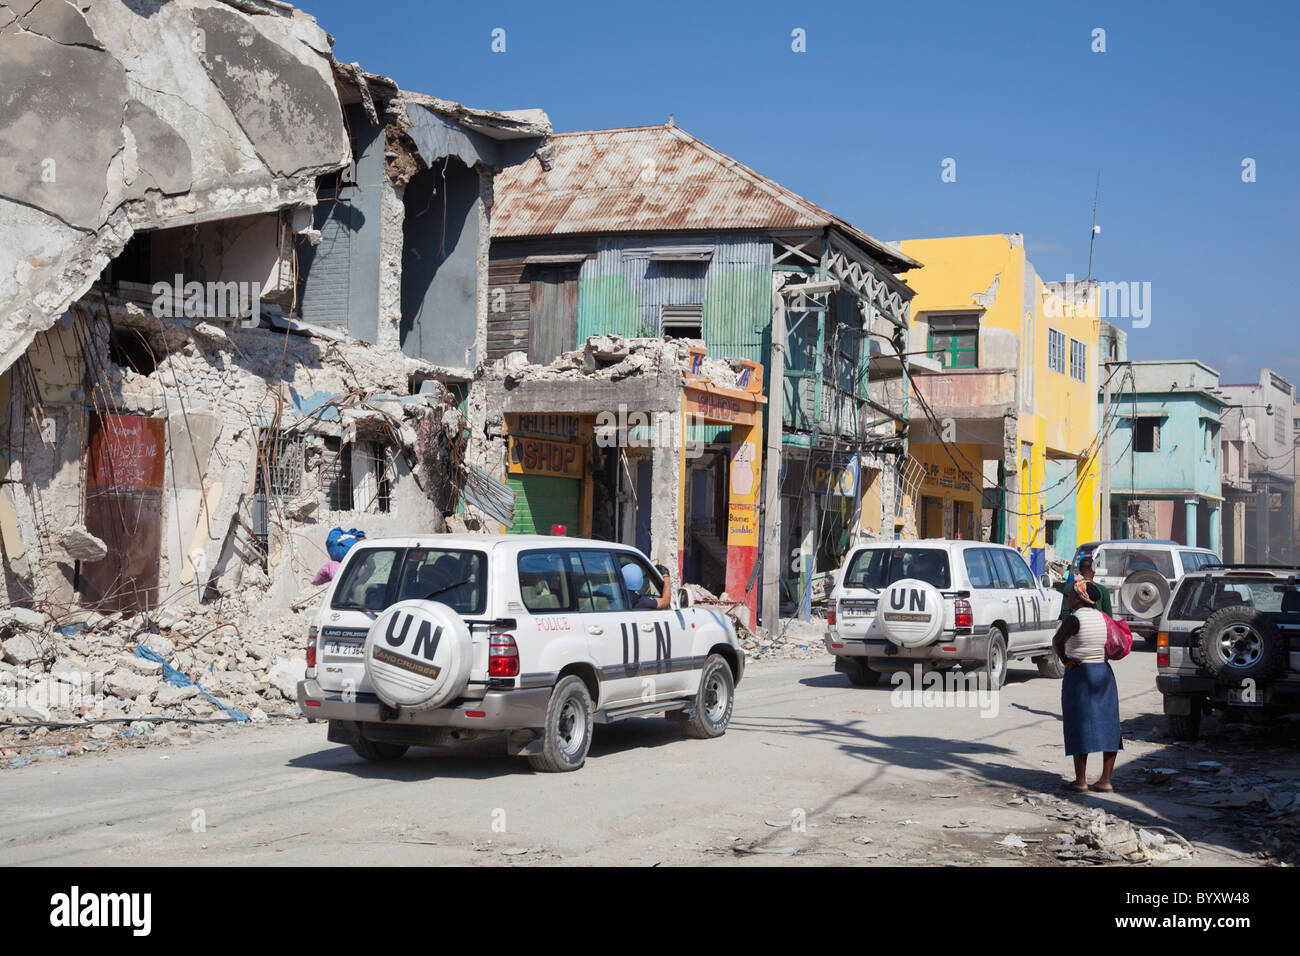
242, 291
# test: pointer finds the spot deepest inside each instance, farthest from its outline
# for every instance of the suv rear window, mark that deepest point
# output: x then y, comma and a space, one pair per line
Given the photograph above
376, 578
1198, 598
1119, 562
880, 567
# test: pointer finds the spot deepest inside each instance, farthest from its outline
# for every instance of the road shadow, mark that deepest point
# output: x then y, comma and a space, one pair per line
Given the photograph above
487, 758
1266, 756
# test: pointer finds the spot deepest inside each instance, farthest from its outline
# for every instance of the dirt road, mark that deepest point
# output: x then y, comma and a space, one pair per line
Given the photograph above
812, 770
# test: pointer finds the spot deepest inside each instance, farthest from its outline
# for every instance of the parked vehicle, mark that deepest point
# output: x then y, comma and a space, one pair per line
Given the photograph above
1141, 575
1230, 639
942, 603
439, 639
1084, 550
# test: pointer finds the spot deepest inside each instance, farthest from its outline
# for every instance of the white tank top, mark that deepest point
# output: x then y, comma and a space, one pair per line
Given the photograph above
1088, 644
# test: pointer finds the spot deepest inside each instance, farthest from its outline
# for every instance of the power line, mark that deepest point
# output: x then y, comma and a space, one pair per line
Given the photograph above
1090, 453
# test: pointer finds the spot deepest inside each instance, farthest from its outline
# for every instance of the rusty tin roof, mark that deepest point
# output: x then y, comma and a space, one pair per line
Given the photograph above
652, 179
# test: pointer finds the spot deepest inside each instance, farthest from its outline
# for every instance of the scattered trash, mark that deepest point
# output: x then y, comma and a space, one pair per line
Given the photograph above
1012, 841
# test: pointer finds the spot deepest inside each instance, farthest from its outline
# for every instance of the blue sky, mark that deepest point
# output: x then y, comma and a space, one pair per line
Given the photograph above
861, 122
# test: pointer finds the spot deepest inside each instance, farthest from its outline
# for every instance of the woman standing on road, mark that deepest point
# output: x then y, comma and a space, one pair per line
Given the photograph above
1089, 696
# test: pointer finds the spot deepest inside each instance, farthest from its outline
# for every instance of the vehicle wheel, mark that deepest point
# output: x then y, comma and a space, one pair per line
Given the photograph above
1186, 726
1049, 665
860, 675
375, 750
995, 662
567, 734
714, 702
1239, 643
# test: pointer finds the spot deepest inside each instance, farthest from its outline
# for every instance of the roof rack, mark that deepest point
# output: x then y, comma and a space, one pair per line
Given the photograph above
1250, 567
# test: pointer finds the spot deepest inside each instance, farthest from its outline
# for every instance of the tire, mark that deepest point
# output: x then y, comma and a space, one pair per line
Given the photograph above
1049, 665
995, 661
714, 702
375, 750
860, 675
1186, 727
566, 738
1239, 643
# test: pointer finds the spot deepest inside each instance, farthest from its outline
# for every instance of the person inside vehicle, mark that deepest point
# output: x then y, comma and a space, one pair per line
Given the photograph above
635, 580
1086, 573
1089, 695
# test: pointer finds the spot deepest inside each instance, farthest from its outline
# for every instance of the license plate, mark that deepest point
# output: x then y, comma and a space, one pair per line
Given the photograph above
1247, 696
858, 610
344, 648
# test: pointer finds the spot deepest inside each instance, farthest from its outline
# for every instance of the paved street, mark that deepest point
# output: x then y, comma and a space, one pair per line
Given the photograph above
801, 739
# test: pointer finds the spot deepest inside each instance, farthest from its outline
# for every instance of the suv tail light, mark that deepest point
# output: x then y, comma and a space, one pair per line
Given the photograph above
503, 656
1162, 649
312, 633
962, 616
830, 616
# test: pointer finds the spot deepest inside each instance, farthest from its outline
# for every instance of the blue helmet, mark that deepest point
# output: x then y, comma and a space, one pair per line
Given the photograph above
633, 577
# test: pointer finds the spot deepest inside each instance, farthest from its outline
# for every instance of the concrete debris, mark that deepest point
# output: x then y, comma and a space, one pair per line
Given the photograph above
1100, 837
250, 661
794, 638
81, 545
26, 648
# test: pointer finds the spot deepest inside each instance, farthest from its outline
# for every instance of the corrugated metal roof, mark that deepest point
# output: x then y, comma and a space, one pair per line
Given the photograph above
652, 179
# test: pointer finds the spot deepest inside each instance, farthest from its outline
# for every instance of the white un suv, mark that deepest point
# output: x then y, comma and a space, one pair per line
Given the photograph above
438, 639
942, 603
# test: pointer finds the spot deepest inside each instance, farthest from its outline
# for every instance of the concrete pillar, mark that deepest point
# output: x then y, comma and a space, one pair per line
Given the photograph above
1261, 527
807, 556
1216, 515
1190, 522
1238, 533
665, 501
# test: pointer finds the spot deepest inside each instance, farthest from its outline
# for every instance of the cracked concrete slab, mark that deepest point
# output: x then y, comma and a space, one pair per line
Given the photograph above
140, 114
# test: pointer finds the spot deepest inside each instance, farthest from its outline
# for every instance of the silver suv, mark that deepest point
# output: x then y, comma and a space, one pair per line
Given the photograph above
942, 603
1230, 639
1141, 574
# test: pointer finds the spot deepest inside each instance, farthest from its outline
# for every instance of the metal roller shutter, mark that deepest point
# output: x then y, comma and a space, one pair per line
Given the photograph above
542, 501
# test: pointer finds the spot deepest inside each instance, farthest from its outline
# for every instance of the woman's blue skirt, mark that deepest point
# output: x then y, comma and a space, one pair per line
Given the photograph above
1090, 710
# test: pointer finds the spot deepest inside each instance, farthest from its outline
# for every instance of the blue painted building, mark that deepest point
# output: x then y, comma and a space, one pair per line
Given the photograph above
1163, 432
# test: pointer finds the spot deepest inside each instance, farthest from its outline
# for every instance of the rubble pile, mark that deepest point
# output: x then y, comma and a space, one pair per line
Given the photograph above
184, 664
1096, 836
614, 357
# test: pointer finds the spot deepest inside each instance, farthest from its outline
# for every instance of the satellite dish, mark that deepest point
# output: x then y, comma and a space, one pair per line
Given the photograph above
1145, 594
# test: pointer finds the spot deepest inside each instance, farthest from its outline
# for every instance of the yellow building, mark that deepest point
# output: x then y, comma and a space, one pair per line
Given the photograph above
1015, 402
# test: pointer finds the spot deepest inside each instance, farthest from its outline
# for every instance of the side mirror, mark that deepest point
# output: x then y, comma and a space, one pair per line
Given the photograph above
683, 597
1045, 579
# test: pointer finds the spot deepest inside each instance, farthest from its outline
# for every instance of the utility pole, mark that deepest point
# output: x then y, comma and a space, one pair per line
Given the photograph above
1105, 453
771, 607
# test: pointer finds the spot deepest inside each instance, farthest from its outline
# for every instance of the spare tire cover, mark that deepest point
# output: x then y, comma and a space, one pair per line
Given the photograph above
911, 612
418, 655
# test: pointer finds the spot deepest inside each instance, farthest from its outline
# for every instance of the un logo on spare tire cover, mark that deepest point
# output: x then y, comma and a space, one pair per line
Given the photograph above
417, 655
911, 612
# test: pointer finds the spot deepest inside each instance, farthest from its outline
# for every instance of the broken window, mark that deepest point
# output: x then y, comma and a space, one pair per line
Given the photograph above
373, 487
954, 340
683, 321
279, 475
1146, 434
336, 475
